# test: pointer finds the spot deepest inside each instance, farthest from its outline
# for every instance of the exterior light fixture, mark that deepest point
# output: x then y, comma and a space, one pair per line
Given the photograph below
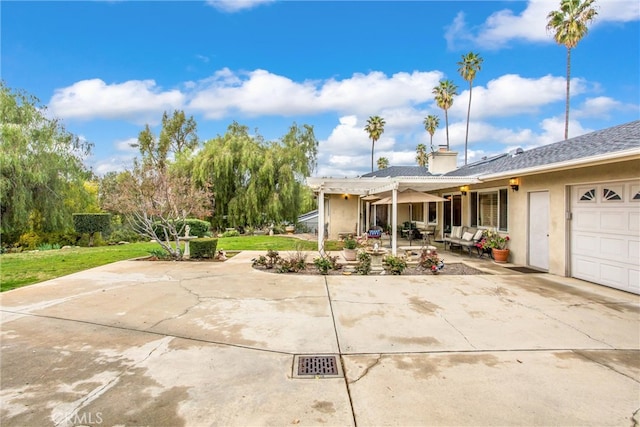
464, 190
514, 183
346, 197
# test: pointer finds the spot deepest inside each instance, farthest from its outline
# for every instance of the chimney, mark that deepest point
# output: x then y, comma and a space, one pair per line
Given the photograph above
442, 161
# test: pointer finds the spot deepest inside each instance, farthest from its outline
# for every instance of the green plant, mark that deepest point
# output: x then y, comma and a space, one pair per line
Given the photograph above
231, 233
394, 264
325, 263
292, 264
364, 263
48, 246
159, 254
203, 248
350, 243
92, 223
494, 240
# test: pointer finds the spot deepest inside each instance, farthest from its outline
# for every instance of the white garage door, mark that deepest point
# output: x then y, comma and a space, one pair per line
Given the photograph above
605, 234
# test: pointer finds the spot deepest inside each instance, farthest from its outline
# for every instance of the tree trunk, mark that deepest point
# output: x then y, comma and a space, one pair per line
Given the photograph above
373, 143
466, 138
566, 108
446, 119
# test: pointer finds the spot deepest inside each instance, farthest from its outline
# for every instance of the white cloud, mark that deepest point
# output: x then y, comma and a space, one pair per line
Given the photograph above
504, 26
236, 5
260, 92
125, 145
137, 101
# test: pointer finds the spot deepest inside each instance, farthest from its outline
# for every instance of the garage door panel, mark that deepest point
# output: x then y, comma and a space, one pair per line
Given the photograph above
634, 250
613, 222
584, 244
634, 281
586, 220
634, 221
586, 268
613, 274
612, 247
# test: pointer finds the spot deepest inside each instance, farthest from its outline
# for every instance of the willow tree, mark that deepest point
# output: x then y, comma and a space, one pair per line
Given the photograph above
470, 64
444, 94
256, 182
569, 25
42, 174
375, 129
431, 123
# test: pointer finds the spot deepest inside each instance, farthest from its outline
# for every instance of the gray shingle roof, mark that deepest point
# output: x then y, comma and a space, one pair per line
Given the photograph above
605, 141
395, 171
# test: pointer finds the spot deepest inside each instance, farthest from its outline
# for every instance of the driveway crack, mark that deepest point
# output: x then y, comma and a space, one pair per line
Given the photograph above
458, 331
367, 369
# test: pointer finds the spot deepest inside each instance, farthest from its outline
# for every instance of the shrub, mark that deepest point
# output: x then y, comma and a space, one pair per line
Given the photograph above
325, 263
203, 248
268, 261
30, 240
350, 243
294, 263
92, 223
231, 233
364, 263
197, 227
394, 264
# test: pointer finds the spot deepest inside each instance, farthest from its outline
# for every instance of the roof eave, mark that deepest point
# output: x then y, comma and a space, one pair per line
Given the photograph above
600, 159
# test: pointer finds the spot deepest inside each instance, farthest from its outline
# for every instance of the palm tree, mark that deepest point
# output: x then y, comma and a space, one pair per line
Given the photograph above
570, 26
431, 123
383, 163
421, 155
444, 92
468, 67
375, 128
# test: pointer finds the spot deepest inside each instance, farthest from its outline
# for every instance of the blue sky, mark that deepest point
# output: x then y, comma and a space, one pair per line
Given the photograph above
109, 68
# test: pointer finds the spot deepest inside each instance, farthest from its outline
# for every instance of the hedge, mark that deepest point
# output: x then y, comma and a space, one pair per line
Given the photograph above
197, 228
203, 248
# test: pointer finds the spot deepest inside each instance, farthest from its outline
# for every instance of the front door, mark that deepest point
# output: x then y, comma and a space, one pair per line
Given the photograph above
452, 212
539, 230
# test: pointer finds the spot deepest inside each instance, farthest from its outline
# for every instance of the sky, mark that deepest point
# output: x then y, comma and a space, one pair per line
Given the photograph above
106, 69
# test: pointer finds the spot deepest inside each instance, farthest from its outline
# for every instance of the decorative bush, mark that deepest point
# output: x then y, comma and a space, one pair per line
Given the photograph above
91, 223
231, 233
203, 248
325, 263
364, 263
394, 264
30, 240
197, 227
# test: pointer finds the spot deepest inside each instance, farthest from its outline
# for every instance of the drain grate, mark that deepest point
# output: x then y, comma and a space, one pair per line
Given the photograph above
316, 366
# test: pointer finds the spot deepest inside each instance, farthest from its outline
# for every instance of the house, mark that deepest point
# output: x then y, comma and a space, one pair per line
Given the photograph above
571, 208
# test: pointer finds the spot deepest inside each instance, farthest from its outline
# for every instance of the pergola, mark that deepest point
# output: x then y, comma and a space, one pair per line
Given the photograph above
366, 188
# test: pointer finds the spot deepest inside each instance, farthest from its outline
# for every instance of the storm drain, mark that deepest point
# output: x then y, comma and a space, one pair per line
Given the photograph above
321, 366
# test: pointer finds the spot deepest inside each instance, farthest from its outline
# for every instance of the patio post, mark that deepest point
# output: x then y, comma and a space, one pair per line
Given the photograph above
394, 220
321, 220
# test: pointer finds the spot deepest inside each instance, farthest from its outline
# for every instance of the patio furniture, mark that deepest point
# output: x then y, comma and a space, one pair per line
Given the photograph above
464, 237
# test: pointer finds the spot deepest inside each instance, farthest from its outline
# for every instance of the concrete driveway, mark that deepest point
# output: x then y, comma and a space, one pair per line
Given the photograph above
213, 344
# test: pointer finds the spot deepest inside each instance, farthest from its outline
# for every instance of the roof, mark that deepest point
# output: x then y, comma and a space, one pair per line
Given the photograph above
397, 171
608, 141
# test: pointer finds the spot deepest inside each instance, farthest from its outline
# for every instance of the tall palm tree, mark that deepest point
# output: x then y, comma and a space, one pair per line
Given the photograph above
421, 155
431, 123
444, 93
569, 25
383, 163
468, 67
375, 128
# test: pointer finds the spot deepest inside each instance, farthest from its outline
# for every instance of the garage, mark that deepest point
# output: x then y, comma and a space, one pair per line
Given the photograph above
605, 234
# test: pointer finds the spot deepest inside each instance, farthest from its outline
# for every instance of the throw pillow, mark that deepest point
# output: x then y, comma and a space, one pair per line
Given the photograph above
456, 232
467, 236
478, 235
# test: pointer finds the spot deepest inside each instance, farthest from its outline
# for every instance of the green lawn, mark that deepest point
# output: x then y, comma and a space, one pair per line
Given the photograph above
26, 268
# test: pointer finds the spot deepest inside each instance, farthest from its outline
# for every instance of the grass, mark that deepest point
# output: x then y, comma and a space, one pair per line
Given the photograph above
27, 268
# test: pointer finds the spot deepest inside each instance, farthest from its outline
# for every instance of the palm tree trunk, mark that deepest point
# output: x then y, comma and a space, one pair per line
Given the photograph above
446, 119
566, 108
373, 143
466, 138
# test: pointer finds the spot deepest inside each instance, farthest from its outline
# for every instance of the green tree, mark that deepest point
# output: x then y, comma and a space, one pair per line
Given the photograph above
383, 163
421, 155
42, 174
375, 129
470, 64
444, 94
178, 135
257, 182
431, 123
569, 26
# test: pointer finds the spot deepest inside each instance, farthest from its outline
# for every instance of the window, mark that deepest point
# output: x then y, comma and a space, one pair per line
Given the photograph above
490, 209
417, 212
433, 213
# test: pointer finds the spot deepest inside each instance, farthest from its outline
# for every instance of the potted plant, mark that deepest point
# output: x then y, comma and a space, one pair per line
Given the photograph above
349, 249
497, 243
